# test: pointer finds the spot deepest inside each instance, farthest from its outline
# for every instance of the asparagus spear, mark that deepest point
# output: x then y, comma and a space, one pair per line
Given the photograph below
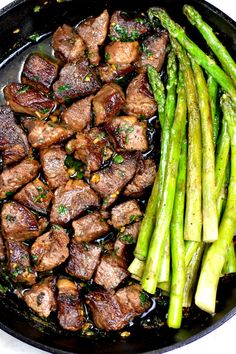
222, 197
215, 111
158, 90
164, 274
190, 249
177, 244
209, 209
230, 263
216, 46
193, 216
202, 59
164, 212
205, 296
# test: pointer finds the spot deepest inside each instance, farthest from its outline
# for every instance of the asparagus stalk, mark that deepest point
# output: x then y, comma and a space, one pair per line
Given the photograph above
215, 111
230, 263
177, 244
205, 296
221, 200
164, 274
136, 268
209, 209
202, 59
193, 216
213, 42
190, 249
164, 212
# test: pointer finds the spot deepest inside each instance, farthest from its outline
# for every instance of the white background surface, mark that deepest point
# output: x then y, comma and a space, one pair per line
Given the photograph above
222, 340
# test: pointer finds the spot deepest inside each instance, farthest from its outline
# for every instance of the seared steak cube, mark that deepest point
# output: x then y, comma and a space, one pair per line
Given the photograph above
50, 249
39, 72
126, 237
36, 196
90, 227
67, 45
94, 31
2, 248
52, 160
72, 200
13, 178
19, 262
13, 141
78, 115
84, 258
108, 102
139, 100
41, 297
125, 213
109, 73
122, 52
76, 79
70, 307
128, 133
24, 99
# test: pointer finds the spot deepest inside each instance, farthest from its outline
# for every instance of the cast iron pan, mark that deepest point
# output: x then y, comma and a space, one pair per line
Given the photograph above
15, 319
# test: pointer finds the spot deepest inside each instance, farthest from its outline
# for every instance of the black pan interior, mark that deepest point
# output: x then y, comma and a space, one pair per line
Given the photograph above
52, 14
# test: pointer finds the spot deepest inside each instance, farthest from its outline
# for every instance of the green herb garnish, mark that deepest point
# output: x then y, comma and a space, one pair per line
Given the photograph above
143, 298
34, 37
44, 110
23, 89
63, 88
107, 56
128, 238
37, 8
62, 209
118, 159
10, 218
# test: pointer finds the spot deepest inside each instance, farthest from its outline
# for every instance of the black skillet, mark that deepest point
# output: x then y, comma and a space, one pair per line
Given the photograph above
14, 318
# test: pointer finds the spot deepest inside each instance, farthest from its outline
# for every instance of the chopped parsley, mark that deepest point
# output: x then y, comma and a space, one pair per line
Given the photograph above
85, 246
123, 34
63, 88
40, 197
8, 194
62, 209
36, 78
107, 56
127, 238
34, 37
44, 110
143, 298
87, 77
118, 159
146, 51
133, 218
23, 89
10, 218
122, 174
37, 8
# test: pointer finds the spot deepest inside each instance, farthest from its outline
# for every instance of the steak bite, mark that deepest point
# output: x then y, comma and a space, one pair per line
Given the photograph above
139, 100
144, 178
125, 213
52, 160
41, 297
94, 31
68, 45
50, 249
43, 134
24, 99
72, 200
36, 196
78, 115
18, 222
84, 259
153, 52
13, 141
70, 307
126, 237
13, 178
109, 73
108, 102
19, 262
90, 227
128, 133
114, 311
122, 52
40, 72
110, 181
76, 79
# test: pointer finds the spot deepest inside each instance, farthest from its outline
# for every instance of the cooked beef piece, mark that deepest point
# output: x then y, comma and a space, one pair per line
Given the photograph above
127, 236
144, 178
50, 249
94, 31
109, 73
90, 227
36, 196
39, 72
111, 271
111, 180
76, 79
52, 160
153, 52
2, 248
24, 99
125, 213
108, 102
13, 141
18, 222
84, 259
108, 311
72, 200
124, 28
139, 100
67, 45
122, 52
13, 178
19, 262
70, 307
92, 148
43, 134
128, 133
78, 115
41, 297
